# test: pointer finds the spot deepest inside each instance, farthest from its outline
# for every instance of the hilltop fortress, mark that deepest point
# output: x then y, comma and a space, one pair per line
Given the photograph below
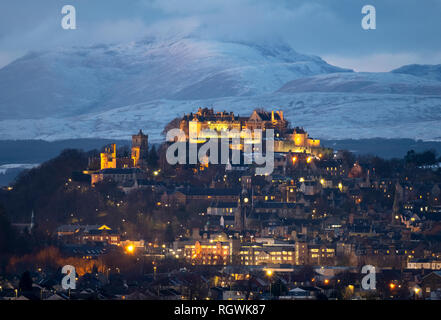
203, 125
286, 139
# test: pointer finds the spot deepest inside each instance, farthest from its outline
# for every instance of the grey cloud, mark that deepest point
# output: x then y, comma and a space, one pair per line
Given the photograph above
322, 27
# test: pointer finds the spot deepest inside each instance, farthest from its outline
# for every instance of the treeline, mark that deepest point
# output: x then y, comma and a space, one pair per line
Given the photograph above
425, 158
36, 187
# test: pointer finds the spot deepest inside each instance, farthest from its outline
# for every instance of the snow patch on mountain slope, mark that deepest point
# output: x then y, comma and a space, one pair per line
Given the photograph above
324, 115
110, 91
71, 81
365, 82
432, 72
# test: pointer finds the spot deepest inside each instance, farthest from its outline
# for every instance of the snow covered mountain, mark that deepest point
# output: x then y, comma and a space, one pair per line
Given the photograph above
365, 82
432, 72
81, 80
112, 91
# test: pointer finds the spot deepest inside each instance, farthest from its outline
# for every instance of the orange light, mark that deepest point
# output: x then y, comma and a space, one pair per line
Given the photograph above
326, 281
269, 273
130, 248
308, 160
294, 159
392, 285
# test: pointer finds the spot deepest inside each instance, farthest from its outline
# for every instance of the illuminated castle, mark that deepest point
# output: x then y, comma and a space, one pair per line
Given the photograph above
108, 157
140, 148
207, 119
297, 140
138, 158
286, 139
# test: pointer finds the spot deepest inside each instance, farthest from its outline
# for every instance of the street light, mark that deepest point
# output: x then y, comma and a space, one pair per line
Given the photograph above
417, 291
130, 248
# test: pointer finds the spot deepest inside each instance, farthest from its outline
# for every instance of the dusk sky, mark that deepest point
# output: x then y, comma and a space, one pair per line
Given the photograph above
407, 31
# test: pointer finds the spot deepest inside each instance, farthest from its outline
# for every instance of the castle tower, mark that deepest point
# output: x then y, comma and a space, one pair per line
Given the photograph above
140, 148
108, 158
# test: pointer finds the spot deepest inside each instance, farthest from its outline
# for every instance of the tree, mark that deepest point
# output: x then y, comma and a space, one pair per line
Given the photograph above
7, 240
174, 124
6, 233
419, 159
153, 158
278, 288
169, 235
25, 284
348, 158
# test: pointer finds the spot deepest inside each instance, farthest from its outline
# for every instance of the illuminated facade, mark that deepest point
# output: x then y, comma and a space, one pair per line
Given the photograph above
138, 157
314, 254
262, 254
140, 147
205, 124
208, 252
108, 157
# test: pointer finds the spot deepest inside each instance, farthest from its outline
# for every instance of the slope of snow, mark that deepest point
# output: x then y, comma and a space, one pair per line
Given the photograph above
365, 82
111, 91
432, 72
324, 115
72, 81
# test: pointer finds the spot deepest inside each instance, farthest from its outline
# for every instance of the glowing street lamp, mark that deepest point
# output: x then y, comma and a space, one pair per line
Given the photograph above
269, 273
340, 186
417, 291
130, 248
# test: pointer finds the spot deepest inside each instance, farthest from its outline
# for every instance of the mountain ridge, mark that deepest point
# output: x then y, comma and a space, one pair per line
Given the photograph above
105, 91
73, 80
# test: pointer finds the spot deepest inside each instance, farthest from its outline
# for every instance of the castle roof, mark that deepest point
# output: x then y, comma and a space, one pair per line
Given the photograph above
266, 116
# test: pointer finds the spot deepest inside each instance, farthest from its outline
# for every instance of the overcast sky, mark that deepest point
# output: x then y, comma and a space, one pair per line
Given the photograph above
408, 31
